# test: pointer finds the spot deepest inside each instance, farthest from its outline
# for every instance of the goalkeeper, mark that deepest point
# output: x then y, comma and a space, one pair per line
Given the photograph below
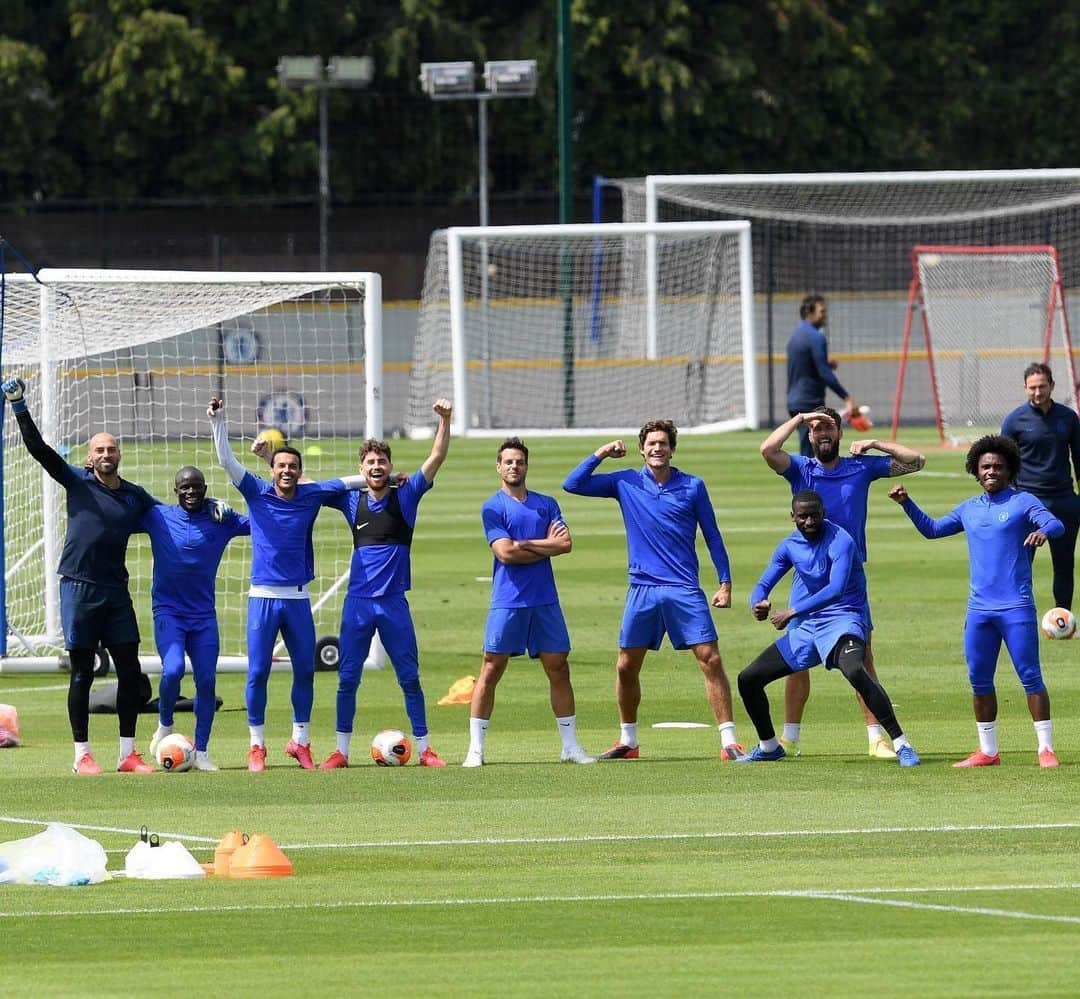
103, 511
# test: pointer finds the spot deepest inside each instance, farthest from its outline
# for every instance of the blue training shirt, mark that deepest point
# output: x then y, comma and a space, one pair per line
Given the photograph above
661, 522
187, 551
1047, 441
844, 490
829, 581
808, 371
996, 525
381, 570
281, 550
503, 516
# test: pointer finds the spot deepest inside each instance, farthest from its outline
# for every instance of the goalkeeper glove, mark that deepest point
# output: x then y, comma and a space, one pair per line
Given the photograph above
219, 510
13, 389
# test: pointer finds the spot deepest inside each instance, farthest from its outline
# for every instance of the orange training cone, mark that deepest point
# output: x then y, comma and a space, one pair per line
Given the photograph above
260, 857
460, 691
224, 851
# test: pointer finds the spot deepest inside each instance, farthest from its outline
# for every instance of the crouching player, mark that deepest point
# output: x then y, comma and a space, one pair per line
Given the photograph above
188, 541
827, 617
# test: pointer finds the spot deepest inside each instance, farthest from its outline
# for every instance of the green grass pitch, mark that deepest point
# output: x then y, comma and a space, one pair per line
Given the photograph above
831, 874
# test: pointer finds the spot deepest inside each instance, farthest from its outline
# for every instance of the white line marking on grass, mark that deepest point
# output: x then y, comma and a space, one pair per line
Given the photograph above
111, 829
32, 690
654, 837
693, 896
962, 909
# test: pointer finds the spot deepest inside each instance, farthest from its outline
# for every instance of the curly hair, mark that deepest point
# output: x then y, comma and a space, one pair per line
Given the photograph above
665, 426
376, 445
994, 444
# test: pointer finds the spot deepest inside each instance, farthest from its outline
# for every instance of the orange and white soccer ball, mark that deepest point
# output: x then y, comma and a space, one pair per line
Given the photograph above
175, 753
1058, 622
391, 748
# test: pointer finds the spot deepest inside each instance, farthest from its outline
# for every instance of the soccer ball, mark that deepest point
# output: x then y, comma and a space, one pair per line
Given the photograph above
175, 753
1058, 622
391, 748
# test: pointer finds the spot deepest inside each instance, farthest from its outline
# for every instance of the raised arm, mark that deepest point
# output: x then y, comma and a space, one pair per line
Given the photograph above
905, 460
583, 481
772, 448
14, 390
926, 525
441, 445
226, 458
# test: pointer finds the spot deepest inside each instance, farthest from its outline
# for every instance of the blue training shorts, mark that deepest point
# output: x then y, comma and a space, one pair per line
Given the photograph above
511, 631
679, 611
984, 632
810, 643
93, 615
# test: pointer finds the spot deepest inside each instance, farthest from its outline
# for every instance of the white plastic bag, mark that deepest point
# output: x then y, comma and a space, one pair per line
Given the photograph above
170, 860
59, 856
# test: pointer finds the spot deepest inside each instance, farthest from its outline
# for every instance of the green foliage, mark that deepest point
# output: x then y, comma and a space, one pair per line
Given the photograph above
178, 97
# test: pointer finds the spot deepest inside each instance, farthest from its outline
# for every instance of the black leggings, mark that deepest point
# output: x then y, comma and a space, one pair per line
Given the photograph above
125, 660
848, 656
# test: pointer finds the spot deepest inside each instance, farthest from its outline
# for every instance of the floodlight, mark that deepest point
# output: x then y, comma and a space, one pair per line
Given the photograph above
300, 71
445, 78
350, 71
511, 77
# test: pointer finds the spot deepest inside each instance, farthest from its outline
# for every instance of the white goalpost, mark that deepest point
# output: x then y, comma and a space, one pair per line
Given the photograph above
138, 354
849, 236
587, 329
985, 313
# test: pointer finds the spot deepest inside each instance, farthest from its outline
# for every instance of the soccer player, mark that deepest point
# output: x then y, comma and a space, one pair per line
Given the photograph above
1048, 435
844, 485
282, 513
662, 508
809, 370
1000, 525
382, 520
188, 542
103, 511
525, 530
825, 623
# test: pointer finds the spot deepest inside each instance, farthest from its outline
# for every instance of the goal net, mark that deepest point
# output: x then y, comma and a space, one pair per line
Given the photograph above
849, 236
986, 313
586, 328
138, 354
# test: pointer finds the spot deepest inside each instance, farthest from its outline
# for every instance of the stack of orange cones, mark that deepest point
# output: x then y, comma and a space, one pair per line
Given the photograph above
224, 851
259, 857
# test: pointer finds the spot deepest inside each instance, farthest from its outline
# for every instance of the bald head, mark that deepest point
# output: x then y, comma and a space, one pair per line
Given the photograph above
103, 456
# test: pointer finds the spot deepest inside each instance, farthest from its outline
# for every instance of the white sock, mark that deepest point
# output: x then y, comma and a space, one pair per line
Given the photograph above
162, 731
988, 743
873, 733
421, 744
628, 733
792, 731
477, 733
257, 735
301, 733
727, 734
127, 746
344, 740
1044, 732
81, 749
899, 742
568, 731
769, 745
203, 761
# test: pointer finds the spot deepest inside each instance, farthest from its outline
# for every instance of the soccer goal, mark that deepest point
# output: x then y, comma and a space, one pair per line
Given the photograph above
587, 329
138, 354
849, 236
985, 312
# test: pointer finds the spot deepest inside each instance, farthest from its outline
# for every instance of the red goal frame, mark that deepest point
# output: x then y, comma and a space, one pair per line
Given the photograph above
915, 302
